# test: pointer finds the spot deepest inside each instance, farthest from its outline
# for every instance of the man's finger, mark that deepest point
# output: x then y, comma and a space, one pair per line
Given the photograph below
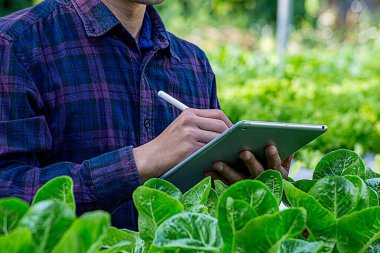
253, 165
210, 124
274, 160
204, 136
287, 162
214, 114
226, 171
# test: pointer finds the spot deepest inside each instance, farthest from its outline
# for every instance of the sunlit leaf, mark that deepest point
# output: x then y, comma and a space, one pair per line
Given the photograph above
374, 185
300, 246
47, 220
85, 235
220, 187
164, 186
273, 180
336, 194
18, 241
212, 203
359, 230
371, 174
59, 189
259, 201
118, 240
266, 233
154, 207
363, 192
339, 163
321, 223
197, 195
189, 231
11, 211
373, 197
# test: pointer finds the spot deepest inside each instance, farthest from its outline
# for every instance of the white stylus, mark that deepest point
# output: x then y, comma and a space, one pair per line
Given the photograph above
172, 100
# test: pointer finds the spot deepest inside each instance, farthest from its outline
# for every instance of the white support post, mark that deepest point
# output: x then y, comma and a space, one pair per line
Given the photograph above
284, 12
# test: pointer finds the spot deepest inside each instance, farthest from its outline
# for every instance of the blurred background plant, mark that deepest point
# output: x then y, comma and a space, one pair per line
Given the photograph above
330, 75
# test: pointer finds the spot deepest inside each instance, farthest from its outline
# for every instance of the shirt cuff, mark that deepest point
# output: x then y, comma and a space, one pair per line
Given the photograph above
113, 177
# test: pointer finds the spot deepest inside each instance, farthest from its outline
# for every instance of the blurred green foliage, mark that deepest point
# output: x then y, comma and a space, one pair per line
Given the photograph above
9, 6
338, 86
241, 13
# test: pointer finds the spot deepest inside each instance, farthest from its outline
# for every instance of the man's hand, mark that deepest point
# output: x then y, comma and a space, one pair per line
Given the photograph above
186, 134
229, 176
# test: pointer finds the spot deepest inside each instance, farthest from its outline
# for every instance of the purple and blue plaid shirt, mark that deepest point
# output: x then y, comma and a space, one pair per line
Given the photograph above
77, 94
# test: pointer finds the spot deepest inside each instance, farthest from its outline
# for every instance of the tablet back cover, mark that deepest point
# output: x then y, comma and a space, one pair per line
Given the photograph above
244, 135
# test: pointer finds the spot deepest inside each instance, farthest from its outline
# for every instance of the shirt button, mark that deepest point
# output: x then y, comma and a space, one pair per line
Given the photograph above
146, 123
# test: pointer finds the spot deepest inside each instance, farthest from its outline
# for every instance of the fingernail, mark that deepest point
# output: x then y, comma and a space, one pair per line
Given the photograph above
271, 151
218, 167
245, 156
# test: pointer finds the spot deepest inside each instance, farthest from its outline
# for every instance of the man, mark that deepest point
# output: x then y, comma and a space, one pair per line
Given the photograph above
79, 82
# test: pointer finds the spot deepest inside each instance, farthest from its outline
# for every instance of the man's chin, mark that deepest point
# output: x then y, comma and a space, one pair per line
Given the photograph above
147, 2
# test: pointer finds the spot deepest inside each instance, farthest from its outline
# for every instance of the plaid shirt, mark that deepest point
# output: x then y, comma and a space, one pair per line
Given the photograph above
77, 94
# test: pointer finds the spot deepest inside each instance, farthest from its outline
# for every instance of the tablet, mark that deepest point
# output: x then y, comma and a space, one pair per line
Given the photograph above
244, 135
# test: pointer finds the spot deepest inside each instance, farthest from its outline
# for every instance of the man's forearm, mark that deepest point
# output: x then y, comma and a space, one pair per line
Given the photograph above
105, 181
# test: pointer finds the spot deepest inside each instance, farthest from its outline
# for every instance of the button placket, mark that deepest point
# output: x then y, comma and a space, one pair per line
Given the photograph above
147, 106
145, 110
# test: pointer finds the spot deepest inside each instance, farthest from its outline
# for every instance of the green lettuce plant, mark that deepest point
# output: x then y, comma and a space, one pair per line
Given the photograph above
336, 211
341, 203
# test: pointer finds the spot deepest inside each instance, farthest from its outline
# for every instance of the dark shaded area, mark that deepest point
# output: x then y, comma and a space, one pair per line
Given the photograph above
9, 6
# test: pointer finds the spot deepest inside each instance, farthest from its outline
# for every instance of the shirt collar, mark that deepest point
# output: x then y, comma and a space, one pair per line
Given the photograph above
160, 36
145, 41
96, 17
98, 20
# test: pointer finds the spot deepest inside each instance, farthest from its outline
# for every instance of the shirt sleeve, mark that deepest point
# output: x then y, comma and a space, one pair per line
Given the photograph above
103, 182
